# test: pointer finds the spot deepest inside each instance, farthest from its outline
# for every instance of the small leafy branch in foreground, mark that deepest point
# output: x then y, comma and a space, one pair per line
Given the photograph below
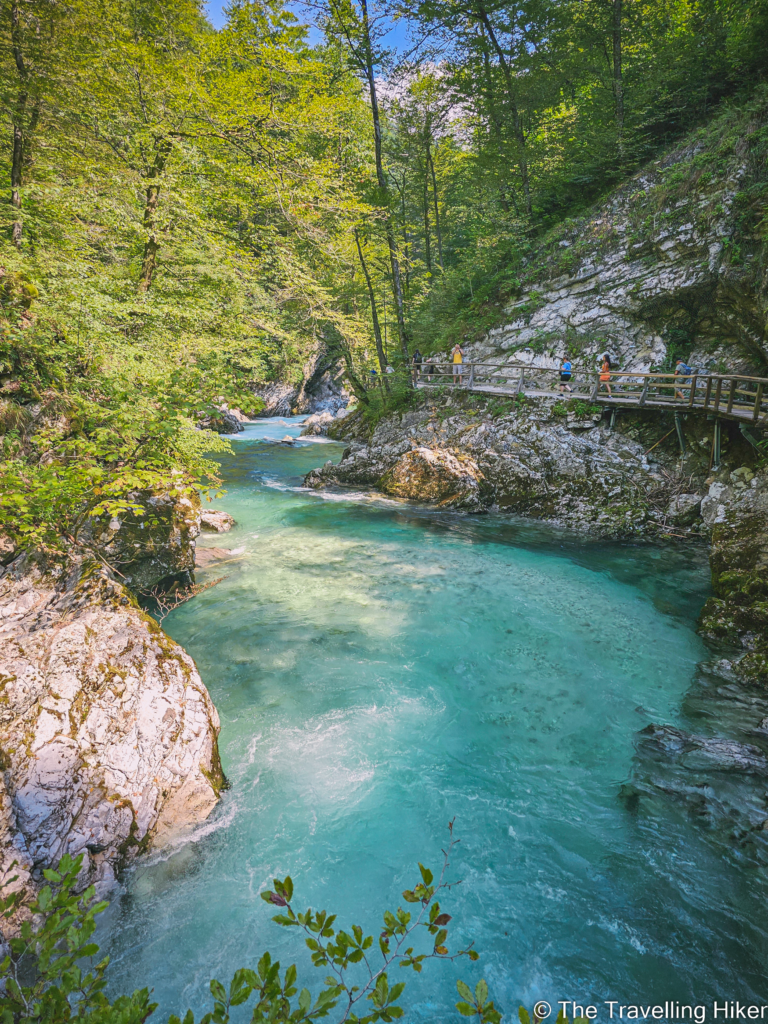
358, 972
44, 978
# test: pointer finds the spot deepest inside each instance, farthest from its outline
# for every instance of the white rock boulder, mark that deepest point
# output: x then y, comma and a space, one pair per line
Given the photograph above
108, 738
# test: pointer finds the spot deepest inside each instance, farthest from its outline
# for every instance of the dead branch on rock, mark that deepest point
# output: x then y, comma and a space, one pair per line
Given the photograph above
167, 601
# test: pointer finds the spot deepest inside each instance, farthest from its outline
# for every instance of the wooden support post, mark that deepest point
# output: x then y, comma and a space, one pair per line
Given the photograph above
692, 396
716, 447
718, 389
679, 429
731, 395
708, 392
471, 375
595, 389
644, 394
521, 382
758, 402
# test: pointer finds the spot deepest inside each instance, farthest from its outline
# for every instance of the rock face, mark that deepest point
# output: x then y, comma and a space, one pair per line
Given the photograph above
532, 458
224, 421
278, 399
709, 752
673, 263
321, 389
435, 475
719, 781
736, 513
108, 735
146, 546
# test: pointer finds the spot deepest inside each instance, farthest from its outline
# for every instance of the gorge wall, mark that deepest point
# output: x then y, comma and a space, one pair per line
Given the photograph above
672, 263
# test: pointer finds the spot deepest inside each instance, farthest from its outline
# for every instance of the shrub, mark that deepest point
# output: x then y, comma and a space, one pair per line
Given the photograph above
44, 980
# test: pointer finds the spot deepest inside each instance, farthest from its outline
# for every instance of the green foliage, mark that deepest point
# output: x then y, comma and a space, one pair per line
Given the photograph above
180, 214
578, 407
81, 436
44, 977
389, 393
54, 946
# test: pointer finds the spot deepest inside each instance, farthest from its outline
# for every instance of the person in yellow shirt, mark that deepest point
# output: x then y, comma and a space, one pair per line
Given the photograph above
457, 355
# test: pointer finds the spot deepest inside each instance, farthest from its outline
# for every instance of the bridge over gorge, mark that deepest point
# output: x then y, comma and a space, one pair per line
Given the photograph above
732, 397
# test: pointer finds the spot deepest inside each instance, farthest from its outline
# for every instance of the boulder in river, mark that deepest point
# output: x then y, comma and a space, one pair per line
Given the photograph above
436, 475
317, 425
214, 521
108, 736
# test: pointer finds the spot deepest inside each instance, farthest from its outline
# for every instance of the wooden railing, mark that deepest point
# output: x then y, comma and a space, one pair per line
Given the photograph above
731, 395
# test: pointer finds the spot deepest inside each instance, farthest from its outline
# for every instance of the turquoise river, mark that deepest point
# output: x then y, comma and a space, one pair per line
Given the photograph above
381, 669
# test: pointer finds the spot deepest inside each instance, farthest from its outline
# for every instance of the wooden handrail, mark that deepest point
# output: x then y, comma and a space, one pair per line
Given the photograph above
632, 386
529, 367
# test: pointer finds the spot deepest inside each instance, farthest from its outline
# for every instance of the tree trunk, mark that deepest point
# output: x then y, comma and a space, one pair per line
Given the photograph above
17, 164
19, 114
618, 84
357, 385
427, 240
438, 229
152, 244
397, 287
406, 252
29, 137
516, 121
505, 205
374, 311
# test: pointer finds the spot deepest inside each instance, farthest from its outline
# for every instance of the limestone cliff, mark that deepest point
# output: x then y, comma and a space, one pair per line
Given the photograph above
107, 733
321, 388
672, 263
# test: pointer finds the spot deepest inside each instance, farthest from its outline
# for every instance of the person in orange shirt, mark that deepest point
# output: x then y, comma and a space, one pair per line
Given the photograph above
605, 372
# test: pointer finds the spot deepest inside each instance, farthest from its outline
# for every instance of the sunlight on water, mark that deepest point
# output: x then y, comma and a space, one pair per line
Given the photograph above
380, 669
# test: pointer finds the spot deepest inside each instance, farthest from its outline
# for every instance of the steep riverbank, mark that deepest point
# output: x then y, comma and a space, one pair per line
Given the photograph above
672, 263
108, 737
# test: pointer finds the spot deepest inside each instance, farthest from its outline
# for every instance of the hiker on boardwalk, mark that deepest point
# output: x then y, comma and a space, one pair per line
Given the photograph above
457, 355
565, 374
417, 361
605, 373
683, 372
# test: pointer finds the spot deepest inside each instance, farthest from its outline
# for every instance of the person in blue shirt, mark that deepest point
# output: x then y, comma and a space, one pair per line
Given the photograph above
565, 375
683, 372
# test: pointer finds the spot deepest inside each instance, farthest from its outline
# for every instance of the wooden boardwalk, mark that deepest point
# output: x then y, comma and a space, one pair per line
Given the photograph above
727, 396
